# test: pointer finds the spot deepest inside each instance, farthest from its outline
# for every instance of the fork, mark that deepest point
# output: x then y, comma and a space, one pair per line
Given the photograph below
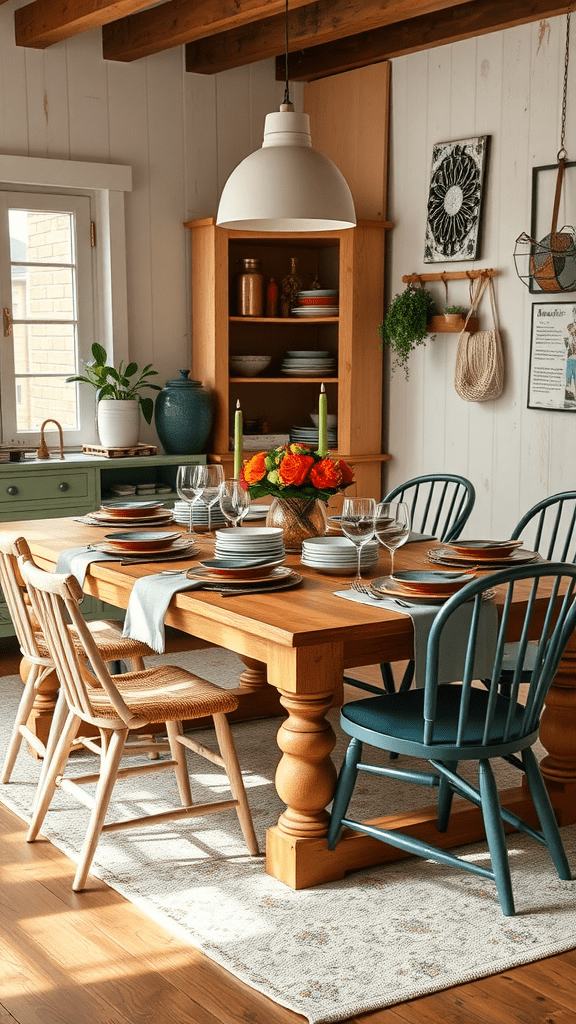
361, 588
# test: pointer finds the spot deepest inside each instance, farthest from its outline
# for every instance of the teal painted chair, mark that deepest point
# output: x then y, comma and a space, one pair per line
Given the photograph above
549, 528
449, 723
440, 505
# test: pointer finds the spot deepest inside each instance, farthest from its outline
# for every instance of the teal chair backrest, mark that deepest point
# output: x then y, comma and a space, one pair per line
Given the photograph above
549, 618
549, 527
440, 503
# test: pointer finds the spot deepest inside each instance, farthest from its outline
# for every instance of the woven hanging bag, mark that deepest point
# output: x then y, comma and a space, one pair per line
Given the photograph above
479, 370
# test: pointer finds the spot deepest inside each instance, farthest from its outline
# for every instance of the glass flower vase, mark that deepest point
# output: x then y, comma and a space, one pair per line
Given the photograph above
299, 519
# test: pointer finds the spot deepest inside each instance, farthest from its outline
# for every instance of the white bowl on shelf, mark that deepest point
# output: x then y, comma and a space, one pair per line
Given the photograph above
249, 366
331, 419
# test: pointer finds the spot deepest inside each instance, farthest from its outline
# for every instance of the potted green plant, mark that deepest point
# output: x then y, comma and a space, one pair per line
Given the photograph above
453, 314
406, 324
119, 398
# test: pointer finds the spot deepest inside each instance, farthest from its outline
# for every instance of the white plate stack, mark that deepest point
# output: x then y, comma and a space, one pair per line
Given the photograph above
338, 555
199, 515
319, 302
250, 542
308, 364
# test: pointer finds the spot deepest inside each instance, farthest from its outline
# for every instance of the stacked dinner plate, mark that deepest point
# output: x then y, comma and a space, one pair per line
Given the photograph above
250, 542
338, 555
320, 302
309, 435
147, 545
490, 554
199, 515
308, 363
132, 513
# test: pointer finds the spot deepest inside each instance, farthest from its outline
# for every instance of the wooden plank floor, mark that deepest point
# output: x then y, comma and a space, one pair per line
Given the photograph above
94, 957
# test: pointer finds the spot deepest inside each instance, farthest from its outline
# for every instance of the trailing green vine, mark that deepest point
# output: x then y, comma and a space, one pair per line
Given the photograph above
406, 324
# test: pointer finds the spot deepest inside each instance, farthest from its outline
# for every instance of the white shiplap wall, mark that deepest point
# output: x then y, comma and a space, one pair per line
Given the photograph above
507, 85
182, 134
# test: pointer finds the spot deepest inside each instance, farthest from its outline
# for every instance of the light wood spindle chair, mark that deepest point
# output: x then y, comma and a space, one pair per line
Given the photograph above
122, 703
37, 659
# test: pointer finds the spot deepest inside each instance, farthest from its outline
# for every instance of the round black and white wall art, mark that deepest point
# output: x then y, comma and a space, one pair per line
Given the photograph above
455, 200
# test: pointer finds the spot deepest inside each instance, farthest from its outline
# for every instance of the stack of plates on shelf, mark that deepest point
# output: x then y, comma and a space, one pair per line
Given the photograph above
338, 555
308, 363
132, 513
250, 542
320, 302
199, 515
309, 435
155, 545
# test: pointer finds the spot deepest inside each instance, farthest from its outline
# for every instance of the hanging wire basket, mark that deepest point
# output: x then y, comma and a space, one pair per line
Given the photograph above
550, 264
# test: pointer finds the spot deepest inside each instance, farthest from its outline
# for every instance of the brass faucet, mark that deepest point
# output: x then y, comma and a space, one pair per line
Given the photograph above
43, 452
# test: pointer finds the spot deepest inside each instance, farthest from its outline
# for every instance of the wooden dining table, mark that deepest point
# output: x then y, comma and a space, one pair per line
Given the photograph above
296, 645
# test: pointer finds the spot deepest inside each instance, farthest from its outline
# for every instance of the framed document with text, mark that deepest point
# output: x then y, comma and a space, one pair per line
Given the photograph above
552, 376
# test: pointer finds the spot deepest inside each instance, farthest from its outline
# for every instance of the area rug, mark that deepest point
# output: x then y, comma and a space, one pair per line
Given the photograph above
381, 936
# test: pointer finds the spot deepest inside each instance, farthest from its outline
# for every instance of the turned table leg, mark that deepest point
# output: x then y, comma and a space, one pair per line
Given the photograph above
558, 737
306, 776
254, 676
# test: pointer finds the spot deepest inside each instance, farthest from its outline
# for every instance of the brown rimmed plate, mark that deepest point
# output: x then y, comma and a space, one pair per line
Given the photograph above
386, 587
281, 572
229, 568
142, 541
182, 546
426, 581
159, 518
484, 549
446, 556
132, 509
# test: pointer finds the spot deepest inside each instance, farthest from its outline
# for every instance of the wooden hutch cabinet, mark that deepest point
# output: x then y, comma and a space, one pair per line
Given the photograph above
351, 261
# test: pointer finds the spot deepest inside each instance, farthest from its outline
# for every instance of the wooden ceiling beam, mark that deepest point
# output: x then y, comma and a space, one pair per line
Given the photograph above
422, 33
181, 21
44, 22
318, 23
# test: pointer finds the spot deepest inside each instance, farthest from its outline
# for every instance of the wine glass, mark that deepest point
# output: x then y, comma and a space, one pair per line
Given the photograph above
392, 526
357, 522
208, 482
234, 501
188, 489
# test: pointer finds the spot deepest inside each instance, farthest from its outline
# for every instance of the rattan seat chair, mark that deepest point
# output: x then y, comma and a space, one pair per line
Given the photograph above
448, 723
38, 662
440, 504
118, 705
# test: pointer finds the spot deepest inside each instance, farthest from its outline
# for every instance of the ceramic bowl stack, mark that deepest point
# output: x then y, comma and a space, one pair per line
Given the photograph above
309, 435
318, 302
338, 555
199, 515
250, 542
308, 363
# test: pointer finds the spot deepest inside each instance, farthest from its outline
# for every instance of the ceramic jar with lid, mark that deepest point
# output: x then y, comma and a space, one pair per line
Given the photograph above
250, 289
183, 415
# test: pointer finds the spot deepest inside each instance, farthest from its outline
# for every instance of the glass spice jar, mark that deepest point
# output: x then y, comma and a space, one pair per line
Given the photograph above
250, 289
291, 285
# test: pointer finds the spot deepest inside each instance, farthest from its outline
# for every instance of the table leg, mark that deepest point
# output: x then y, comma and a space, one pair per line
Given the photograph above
558, 737
40, 718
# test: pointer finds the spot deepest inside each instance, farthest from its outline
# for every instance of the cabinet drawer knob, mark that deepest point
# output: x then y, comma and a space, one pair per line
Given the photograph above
12, 490
63, 486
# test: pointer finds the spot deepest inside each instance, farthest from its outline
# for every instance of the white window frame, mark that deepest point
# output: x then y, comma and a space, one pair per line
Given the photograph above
106, 185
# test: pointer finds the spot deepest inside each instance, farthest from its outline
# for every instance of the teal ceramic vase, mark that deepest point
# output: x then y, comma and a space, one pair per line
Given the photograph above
183, 415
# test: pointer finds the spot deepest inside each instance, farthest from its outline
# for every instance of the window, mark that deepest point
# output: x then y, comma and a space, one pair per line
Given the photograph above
47, 299
58, 292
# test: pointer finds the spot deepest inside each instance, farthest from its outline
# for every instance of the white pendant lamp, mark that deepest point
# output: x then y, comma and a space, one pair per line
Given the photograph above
286, 185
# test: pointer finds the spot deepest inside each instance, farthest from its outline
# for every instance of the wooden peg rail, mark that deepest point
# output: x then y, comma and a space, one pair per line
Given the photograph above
451, 275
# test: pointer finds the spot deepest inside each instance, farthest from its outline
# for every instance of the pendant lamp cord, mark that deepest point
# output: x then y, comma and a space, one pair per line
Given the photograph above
562, 154
287, 86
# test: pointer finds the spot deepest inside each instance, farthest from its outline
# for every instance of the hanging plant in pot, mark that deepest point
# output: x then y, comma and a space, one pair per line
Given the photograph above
406, 324
119, 398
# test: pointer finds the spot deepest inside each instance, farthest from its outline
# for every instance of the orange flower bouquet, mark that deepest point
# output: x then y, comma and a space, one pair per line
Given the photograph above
295, 471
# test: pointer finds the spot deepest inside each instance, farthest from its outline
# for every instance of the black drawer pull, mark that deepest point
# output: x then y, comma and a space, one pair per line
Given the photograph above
64, 486
12, 490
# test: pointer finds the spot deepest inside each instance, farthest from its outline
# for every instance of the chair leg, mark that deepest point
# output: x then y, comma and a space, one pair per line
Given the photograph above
545, 812
495, 836
54, 768
24, 709
388, 677
174, 730
234, 773
344, 790
108, 776
445, 796
58, 722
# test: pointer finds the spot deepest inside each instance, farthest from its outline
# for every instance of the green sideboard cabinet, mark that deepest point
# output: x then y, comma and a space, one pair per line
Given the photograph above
54, 488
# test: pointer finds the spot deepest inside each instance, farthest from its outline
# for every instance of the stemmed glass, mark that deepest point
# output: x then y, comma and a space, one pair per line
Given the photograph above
392, 526
357, 522
208, 482
188, 489
234, 501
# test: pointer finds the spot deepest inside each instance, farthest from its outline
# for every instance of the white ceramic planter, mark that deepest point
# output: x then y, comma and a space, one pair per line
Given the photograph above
118, 423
